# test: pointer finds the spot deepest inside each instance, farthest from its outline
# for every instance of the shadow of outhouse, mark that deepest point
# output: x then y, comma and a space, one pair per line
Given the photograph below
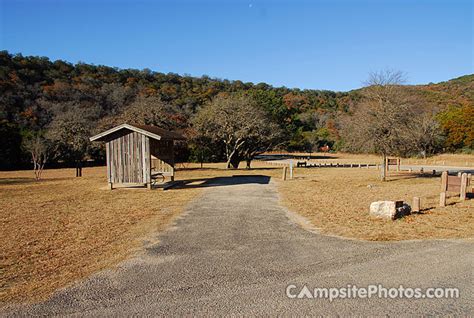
221, 181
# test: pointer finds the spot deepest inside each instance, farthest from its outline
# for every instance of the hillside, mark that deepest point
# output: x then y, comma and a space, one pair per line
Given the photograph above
36, 94
455, 92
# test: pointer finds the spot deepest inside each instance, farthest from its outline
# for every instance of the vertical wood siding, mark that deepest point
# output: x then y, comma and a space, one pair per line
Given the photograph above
128, 159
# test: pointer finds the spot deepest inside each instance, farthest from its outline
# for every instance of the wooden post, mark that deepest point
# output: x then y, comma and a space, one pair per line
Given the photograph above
444, 187
459, 174
462, 195
111, 186
398, 164
442, 199
283, 177
368, 166
444, 181
416, 204
360, 165
422, 170
291, 169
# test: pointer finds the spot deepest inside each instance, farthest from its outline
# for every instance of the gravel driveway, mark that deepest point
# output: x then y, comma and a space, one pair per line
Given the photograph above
235, 251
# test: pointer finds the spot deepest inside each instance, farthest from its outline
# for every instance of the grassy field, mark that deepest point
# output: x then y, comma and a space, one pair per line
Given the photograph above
336, 202
462, 160
63, 228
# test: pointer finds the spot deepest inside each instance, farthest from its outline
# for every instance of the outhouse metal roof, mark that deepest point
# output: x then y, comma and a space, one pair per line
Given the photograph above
147, 130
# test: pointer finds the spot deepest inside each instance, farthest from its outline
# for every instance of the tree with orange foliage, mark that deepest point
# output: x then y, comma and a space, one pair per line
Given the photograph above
457, 124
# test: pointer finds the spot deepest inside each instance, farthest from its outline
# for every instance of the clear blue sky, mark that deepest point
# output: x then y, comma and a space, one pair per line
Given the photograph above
306, 44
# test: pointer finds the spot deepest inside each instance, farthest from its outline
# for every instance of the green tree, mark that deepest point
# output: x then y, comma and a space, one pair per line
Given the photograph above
240, 125
10, 151
70, 134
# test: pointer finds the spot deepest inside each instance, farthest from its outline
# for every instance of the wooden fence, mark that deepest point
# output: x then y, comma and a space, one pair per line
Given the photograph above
460, 184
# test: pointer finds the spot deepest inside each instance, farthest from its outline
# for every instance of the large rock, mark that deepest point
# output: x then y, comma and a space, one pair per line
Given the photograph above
389, 210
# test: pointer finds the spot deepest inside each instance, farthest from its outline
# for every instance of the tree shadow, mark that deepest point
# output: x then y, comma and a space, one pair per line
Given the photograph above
433, 206
401, 175
221, 169
18, 180
220, 181
289, 156
25, 181
198, 168
405, 176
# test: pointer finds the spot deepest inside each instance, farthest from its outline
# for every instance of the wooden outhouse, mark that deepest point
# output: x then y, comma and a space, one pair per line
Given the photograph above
138, 154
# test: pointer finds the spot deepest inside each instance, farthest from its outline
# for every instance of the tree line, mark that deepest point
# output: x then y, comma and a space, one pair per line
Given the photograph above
53, 107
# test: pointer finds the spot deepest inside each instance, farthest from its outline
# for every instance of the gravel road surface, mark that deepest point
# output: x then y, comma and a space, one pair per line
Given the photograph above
235, 251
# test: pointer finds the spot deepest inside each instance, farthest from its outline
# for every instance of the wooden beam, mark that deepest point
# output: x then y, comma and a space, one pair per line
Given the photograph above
444, 181
416, 204
462, 195
442, 199
107, 161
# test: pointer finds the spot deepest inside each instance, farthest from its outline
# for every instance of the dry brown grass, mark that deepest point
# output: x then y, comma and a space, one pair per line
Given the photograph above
336, 201
463, 160
63, 228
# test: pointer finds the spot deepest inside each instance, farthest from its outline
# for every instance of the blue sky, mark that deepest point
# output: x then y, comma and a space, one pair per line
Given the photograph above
318, 44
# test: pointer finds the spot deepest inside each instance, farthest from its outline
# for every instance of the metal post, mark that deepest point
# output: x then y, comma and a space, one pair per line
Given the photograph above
462, 195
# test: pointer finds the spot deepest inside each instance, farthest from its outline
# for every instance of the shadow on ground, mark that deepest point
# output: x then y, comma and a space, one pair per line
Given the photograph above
21, 180
302, 157
401, 176
416, 175
221, 181
220, 169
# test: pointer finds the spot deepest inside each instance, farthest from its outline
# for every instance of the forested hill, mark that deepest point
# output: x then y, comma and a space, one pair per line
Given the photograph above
458, 91
37, 94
